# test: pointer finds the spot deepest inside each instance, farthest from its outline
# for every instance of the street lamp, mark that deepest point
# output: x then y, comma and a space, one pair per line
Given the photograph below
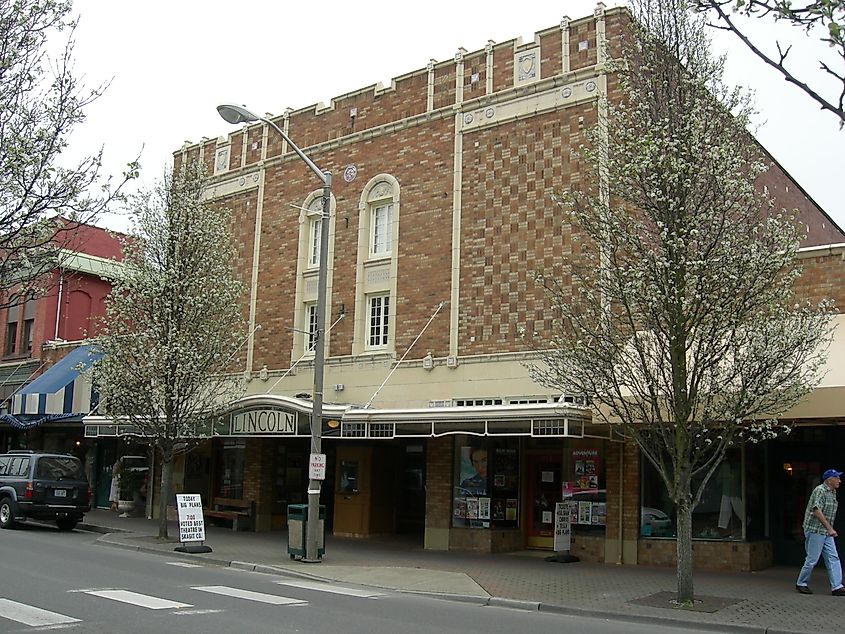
238, 114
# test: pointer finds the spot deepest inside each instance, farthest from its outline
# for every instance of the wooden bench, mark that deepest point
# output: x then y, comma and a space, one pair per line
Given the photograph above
240, 512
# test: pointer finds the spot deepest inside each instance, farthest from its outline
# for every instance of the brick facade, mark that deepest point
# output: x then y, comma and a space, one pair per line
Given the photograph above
477, 151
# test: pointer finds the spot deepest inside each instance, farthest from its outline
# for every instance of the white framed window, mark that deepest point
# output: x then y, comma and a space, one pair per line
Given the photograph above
311, 327
381, 229
315, 223
378, 319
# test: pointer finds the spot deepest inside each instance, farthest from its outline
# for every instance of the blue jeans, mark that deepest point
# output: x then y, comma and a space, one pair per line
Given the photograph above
818, 545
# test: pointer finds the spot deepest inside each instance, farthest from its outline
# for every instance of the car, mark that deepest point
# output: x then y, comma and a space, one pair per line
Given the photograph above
655, 523
43, 486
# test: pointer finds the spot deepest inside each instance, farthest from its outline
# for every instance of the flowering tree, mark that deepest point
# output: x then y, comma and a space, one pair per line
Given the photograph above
173, 322
680, 322
824, 19
41, 102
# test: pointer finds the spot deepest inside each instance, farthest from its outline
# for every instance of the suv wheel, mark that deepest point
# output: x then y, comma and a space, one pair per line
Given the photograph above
66, 523
7, 514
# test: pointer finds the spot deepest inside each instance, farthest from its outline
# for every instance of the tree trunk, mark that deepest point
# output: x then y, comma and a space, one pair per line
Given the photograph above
166, 488
684, 548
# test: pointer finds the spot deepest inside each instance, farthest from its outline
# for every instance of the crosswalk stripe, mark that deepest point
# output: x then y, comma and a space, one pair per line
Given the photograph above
29, 615
142, 600
183, 564
251, 596
328, 587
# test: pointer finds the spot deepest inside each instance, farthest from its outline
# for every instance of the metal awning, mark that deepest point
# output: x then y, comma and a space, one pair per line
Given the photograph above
282, 416
63, 390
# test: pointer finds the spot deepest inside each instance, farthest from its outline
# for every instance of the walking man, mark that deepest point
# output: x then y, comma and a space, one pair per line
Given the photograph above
819, 535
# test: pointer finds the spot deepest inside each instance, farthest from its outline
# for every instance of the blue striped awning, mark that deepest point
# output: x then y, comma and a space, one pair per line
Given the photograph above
65, 388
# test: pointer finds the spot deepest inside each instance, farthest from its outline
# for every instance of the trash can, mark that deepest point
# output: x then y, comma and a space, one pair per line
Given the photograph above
297, 521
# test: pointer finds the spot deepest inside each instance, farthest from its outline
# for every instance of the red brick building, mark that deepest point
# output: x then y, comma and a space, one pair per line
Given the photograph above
440, 214
36, 333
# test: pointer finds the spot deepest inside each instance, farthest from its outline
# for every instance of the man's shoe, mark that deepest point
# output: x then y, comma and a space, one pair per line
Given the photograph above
839, 592
806, 590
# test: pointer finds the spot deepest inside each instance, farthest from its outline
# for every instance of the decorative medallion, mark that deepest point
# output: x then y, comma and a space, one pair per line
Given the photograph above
566, 93
241, 181
591, 86
468, 118
489, 113
349, 173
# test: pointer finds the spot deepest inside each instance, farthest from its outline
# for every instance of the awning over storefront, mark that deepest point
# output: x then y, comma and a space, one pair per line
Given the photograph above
63, 390
282, 416
28, 421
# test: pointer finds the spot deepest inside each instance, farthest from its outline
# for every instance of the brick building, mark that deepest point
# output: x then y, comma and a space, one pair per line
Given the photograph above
440, 214
41, 347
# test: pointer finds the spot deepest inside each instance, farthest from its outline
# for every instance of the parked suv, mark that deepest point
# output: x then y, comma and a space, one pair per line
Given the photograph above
44, 486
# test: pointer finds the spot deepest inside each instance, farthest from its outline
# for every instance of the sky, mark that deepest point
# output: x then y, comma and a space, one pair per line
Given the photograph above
171, 63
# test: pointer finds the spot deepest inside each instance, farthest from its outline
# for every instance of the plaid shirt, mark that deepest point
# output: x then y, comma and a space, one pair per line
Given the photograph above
824, 499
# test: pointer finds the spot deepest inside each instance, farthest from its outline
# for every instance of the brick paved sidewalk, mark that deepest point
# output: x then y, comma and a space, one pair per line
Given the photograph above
764, 601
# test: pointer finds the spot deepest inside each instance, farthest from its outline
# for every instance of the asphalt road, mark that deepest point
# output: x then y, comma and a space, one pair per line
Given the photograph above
51, 580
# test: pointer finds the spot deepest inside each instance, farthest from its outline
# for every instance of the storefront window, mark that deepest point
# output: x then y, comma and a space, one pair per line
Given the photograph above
486, 476
229, 472
585, 487
721, 514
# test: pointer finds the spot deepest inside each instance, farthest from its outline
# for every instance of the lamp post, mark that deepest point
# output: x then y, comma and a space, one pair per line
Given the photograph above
238, 114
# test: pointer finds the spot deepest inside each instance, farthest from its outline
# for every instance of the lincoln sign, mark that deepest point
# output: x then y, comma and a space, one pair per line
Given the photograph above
263, 421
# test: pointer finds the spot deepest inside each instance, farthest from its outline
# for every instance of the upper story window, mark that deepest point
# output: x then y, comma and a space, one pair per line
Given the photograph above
11, 338
308, 255
315, 224
26, 338
380, 229
378, 320
311, 327
377, 266
380, 209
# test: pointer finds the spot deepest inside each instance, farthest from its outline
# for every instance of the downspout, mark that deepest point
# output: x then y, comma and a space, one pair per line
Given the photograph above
620, 559
59, 303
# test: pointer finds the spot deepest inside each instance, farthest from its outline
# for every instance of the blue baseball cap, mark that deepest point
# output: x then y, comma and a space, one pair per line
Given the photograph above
831, 473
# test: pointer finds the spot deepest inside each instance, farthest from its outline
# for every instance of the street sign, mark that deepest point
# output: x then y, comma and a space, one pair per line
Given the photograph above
191, 521
317, 467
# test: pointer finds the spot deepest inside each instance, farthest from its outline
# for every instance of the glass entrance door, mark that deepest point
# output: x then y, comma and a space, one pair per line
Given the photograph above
544, 490
793, 480
796, 464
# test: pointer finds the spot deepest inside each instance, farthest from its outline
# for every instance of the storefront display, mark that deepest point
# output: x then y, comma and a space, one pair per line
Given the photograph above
487, 491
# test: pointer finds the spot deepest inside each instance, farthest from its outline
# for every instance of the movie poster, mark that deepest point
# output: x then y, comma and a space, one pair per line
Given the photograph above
586, 470
484, 508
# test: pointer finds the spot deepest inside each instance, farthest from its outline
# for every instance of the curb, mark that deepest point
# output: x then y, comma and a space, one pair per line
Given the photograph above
657, 619
514, 604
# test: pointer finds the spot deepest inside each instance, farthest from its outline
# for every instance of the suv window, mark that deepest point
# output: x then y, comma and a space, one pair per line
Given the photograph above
4, 463
19, 467
58, 468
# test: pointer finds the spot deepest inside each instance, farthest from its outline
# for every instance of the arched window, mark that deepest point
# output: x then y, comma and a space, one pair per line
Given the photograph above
315, 222
378, 245
308, 269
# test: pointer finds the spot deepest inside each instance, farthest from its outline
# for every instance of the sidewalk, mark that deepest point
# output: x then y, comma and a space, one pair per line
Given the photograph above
764, 601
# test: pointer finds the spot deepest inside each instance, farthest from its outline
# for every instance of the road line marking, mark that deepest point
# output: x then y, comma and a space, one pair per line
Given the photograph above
237, 593
183, 564
334, 589
197, 611
142, 600
30, 615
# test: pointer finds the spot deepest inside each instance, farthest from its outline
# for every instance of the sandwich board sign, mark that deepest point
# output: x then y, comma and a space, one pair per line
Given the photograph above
191, 523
